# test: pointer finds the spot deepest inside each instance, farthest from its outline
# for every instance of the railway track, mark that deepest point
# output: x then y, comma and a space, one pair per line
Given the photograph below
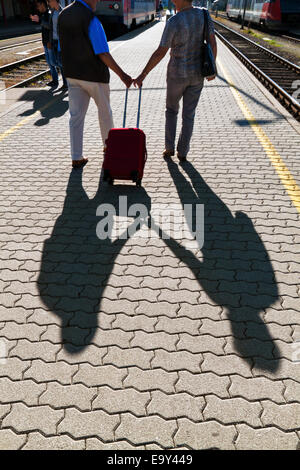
289, 37
279, 75
23, 72
14, 46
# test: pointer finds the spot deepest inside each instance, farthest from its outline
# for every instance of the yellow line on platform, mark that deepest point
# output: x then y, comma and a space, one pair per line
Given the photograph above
27, 119
284, 174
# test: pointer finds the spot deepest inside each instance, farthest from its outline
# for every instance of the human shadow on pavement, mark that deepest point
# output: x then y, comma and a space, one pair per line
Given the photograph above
235, 271
76, 264
49, 105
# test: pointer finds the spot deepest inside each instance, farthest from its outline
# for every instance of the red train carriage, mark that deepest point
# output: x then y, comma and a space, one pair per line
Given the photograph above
273, 14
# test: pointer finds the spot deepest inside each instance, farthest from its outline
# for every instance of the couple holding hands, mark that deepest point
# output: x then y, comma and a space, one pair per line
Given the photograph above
87, 76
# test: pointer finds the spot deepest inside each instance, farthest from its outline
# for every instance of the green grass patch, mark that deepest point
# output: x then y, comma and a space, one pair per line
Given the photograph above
262, 37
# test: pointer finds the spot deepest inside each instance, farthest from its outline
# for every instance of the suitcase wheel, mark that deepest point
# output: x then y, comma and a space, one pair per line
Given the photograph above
134, 176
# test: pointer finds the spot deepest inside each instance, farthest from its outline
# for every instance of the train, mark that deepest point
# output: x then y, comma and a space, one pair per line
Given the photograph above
270, 14
126, 14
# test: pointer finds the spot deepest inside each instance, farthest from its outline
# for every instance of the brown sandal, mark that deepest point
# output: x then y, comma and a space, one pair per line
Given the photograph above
79, 163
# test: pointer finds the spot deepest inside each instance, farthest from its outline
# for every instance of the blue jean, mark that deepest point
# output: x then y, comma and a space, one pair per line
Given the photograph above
58, 62
51, 62
190, 90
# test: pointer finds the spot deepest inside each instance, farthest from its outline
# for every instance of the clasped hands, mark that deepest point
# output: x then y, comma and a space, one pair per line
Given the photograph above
128, 81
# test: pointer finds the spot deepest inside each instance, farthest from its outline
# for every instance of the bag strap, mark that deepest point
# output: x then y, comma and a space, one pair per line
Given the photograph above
139, 107
205, 30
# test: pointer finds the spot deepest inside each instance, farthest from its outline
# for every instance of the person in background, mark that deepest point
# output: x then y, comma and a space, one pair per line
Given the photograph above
44, 19
183, 34
55, 11
86, 61
160, 9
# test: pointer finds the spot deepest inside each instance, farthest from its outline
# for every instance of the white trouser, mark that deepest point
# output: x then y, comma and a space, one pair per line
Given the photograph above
80, 92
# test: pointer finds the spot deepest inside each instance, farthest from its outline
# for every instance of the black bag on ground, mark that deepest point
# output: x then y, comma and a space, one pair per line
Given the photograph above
208, 64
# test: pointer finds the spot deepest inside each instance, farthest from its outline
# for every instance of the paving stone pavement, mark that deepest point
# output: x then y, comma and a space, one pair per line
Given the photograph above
146, 342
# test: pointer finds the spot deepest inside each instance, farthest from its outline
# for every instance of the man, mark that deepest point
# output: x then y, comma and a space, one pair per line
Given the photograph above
44, 19
55, 11
183, 33
86, 62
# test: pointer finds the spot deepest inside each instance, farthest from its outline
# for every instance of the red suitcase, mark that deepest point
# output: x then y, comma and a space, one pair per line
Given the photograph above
125, 153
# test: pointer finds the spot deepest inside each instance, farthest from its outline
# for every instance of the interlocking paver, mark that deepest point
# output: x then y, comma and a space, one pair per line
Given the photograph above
178, 325
63, 396
264, 439
174, 406
129, 357
160, 282
199, 311
132, 323
11, 441
292, 390
234, 410
96, 444
204, 435
222, 328
250, 347
120, 401
201, 343
178, 296
223, 365
258, 388
146, 430
118, 306
144, 380
13, 368
285, 417
88, 424
44, 350
18, 315
24, 419
4, 410
8, 299
203, 384
150, 341
157, 309
38, 442
41, 371
25, 391
283, 369
102, 375
14, 330
177, 360
104, 338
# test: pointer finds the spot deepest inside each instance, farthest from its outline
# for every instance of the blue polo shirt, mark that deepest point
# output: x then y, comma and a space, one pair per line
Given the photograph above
96, 33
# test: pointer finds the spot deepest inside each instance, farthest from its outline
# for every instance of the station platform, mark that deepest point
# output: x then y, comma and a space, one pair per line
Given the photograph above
17, 29
151, 342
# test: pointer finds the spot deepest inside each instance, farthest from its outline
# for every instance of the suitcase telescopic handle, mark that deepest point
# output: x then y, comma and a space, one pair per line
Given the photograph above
139, 107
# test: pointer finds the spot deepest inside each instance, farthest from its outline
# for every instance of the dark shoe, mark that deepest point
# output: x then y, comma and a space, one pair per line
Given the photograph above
79, 163
168, 153
52, 84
